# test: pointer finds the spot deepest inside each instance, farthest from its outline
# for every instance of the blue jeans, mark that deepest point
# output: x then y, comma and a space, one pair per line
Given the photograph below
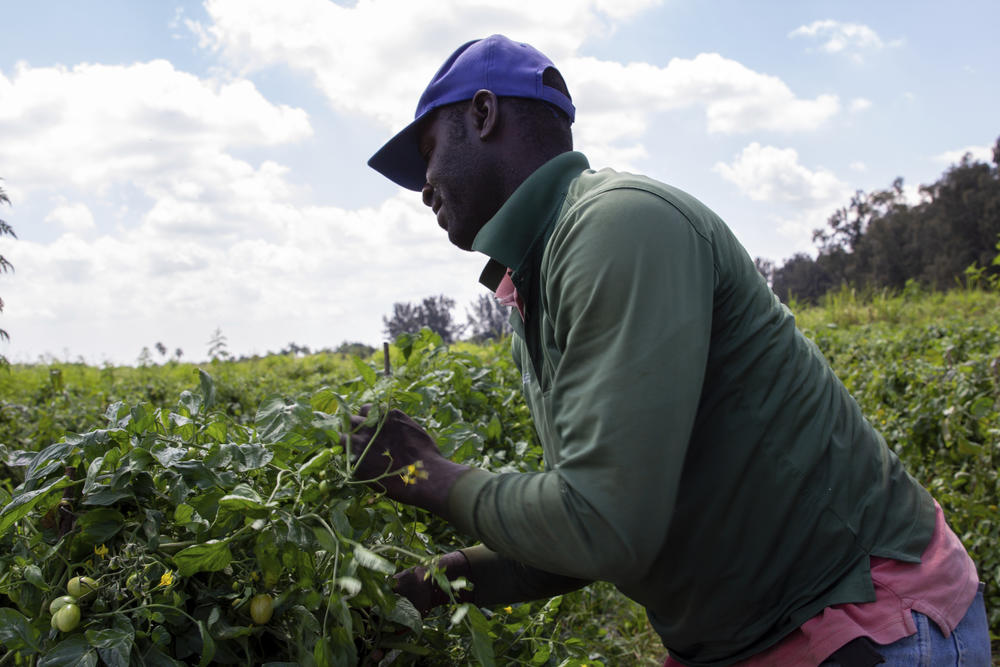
968, 644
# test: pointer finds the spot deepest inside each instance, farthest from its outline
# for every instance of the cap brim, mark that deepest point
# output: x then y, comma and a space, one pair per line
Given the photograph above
399, 159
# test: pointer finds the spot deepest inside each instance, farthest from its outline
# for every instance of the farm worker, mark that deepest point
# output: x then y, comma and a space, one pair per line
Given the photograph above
699, 452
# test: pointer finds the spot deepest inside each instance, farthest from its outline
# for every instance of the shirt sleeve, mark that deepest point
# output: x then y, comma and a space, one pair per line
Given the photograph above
627, 290
498, 580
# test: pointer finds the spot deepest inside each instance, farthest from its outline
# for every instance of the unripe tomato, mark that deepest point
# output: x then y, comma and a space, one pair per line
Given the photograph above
67, 618
261, 608
61, 602
82, 588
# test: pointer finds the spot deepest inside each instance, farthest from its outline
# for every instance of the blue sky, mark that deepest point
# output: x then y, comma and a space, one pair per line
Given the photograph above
180, 167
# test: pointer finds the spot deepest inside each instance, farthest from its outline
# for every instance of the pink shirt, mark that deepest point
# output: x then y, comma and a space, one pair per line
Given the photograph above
941, 586
507, 294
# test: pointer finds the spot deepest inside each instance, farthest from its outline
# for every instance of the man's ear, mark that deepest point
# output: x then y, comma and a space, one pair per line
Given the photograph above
485, 110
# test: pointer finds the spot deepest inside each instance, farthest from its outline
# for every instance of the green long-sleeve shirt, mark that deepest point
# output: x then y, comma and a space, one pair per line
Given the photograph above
700, 454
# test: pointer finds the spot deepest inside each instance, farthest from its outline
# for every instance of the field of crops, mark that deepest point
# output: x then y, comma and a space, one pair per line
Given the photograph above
214, 512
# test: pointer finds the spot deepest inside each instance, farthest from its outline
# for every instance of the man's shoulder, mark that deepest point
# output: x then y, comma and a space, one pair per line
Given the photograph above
608, 187
623, 196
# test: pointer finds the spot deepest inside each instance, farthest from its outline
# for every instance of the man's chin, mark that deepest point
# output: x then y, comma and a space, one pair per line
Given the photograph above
460, 242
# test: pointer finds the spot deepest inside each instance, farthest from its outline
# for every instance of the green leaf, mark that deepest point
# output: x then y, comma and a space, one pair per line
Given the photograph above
982, 406
325, 539
541, 656
153, 657
211, 556
168, 456
243, 497
350, 585
207, 388
93, 470
406, 614
114, 646
242, 458
459, 614
217, 431
222, 629
16, 632
57, 452
274, 419
190, 402
33, 574
71, 652
207, 645
22, 504
105, 496
373, 561
366, 371
482, 646
99, 525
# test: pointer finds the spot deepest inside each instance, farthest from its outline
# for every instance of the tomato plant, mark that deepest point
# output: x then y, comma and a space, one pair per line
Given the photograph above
189, 495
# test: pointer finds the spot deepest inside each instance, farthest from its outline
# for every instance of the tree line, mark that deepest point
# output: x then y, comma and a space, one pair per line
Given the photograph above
486, 319
879, 240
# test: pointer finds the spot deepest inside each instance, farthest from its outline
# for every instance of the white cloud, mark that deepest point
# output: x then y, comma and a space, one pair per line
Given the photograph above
203, 238
801, 198
766, 173
859, 104
72, 217
735, 98
851, 39
330, 277
978, 153
382, 77
96, 125
376, 57
859, 166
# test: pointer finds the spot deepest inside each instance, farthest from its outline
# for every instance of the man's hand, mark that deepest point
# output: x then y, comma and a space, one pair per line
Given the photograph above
401, 458
420, 588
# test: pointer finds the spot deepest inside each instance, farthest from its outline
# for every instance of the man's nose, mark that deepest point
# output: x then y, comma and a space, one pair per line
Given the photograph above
428, 194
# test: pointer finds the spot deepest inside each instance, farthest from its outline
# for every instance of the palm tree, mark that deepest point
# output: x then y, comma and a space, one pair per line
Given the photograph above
4, 264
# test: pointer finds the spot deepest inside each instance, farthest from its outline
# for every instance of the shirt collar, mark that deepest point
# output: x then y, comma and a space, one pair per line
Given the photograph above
509, 235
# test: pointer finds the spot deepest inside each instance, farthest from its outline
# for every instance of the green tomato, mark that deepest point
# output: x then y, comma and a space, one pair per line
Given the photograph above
67, 618
61, 602
82, 588
261, 608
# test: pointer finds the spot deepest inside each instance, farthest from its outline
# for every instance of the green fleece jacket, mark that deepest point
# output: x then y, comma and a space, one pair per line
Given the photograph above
700, 454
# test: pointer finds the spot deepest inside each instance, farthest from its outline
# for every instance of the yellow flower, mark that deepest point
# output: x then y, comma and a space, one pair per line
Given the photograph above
508, 609
414, 471
167, 578
101, 551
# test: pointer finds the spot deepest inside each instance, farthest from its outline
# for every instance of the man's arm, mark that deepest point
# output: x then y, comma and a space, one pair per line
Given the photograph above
630, 295
628, 288
391, 445
495, 581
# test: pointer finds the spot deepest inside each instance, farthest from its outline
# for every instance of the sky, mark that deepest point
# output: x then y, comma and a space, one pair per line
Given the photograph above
181, 168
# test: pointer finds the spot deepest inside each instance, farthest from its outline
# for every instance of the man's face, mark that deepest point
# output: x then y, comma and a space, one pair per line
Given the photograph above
459, 178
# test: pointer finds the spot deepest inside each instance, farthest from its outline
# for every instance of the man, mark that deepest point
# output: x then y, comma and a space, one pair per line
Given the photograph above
699, 452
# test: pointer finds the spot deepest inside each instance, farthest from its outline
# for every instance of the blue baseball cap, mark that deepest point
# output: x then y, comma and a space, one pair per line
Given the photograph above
508, 68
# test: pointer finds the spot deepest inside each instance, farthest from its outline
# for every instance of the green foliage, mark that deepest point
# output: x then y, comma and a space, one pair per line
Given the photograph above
207, 490
925, 368
879, 240
434, 312
184, 510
